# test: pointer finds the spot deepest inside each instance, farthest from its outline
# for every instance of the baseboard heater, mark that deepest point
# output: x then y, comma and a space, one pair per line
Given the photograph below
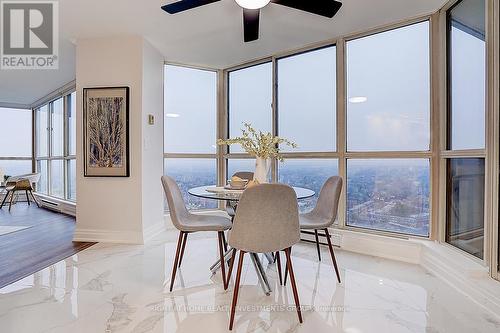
49, 204
334, 238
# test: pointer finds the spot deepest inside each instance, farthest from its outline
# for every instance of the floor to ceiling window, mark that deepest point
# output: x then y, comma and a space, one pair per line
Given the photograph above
55, 147
190, 130
388, 130
307, 115
250, 100
16, 147
466, 126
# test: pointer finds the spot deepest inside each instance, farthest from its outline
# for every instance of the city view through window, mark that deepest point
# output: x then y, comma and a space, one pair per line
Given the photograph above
390, 195
15, 157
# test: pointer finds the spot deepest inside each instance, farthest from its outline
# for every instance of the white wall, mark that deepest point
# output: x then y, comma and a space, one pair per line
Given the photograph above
152, 154
125, 210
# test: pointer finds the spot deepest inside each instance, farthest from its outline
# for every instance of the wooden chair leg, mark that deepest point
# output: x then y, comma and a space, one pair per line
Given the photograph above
184, 241
28, 198
332, 254
317, 244
11, 198
176, 262
286, 271
236, 288
4, 198
294, 285
34, 199
231, 264
220, 235
278, 266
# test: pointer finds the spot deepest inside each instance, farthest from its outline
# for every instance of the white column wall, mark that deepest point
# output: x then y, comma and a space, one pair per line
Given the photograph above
122, 210
152, 154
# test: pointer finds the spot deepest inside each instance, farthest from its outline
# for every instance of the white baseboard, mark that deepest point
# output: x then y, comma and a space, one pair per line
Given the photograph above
108, 236
380, 246
399, 249
117, 236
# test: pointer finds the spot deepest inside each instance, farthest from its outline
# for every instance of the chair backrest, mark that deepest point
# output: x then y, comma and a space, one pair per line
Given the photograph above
244, 175
32, 177
176, 205
328, 201
267, 219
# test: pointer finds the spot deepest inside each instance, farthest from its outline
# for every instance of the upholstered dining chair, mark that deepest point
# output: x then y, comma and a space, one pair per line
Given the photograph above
323, 216
21, 183
231, 205
188, 223
267, 220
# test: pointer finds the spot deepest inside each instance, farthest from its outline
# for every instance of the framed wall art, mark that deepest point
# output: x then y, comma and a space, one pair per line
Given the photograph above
106, 132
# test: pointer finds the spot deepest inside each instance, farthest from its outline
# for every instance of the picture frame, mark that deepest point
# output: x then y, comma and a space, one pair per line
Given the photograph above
106, 132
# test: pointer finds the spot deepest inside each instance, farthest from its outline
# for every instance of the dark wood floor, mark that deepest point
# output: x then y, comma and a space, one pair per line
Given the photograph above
48, 241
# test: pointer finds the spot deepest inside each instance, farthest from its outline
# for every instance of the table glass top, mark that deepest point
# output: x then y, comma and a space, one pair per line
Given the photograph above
234, 195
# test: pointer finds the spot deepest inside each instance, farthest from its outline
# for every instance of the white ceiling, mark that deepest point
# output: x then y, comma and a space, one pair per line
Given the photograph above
209, 36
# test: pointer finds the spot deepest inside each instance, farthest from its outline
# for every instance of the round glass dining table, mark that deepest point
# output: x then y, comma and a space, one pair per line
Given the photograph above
219, 193
233, 196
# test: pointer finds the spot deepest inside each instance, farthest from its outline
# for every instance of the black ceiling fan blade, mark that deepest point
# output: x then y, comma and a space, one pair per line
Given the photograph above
326, 8
183, 5
251, 24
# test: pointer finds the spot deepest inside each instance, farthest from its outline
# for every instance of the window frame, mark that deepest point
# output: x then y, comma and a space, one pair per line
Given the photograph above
394, 154
421, 153
65, 157
446, 153
217, 155
226, 74
448, 83
317, 154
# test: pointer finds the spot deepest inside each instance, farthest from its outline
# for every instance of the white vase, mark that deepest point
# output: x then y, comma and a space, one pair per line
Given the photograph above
262, 167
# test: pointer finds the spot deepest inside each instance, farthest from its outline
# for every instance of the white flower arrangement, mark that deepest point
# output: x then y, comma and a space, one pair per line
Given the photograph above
259, 144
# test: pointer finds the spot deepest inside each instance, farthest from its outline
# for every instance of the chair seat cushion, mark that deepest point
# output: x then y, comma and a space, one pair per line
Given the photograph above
312, 221
198, 222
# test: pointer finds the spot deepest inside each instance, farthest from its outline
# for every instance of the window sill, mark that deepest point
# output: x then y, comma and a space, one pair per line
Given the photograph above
462, 272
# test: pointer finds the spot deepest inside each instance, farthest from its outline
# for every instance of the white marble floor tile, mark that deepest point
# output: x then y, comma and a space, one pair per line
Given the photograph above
119, 288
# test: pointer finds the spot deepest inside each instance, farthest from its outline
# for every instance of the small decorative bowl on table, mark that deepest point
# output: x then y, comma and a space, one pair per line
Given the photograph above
237, 184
